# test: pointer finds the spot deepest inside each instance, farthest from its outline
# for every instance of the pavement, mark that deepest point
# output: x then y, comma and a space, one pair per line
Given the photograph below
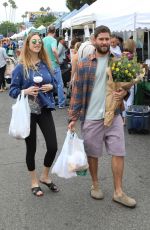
72, 208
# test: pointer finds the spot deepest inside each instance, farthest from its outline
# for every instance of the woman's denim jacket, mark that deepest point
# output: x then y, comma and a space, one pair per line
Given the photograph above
20, 81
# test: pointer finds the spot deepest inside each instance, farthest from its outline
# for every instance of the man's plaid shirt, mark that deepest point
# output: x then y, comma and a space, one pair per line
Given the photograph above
82, 88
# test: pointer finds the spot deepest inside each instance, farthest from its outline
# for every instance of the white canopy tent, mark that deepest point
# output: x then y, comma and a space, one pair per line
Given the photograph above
67, 23
129, 15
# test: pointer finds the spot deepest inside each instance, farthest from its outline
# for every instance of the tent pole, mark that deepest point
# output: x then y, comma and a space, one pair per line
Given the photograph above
134, 31
148, 44
71, 33
93, 27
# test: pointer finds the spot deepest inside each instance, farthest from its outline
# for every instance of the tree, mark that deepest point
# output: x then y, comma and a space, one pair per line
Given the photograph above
45, 20
23, 17
42, 9
48, 9
5, 4
14, 7
7, 28
72, 4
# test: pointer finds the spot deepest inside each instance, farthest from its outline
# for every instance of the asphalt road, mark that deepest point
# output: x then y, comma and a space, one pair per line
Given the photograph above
72, 208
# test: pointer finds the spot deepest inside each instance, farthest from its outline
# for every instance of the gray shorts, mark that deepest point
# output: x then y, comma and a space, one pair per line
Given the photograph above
94, 133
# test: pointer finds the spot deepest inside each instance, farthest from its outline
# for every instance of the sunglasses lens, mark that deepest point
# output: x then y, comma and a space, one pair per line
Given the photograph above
40, 41
34, 41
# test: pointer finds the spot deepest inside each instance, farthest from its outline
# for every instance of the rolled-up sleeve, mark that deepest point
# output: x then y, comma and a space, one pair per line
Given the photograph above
16, 82
77, 95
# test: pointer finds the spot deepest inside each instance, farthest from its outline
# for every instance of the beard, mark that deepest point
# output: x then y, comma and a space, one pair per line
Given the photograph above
102, 49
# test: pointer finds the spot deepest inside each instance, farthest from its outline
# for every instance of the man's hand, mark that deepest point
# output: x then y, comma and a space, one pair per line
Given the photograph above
119, 94
71, 126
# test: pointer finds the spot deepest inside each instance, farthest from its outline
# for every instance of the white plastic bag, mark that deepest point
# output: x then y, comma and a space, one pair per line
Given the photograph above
61, 165
19, 127
77, 160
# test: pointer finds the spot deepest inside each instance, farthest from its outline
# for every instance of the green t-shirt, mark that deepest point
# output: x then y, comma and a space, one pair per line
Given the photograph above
49, 44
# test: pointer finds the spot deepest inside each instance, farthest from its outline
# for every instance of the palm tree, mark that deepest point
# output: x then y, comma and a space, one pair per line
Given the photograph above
10, 8
23, 16
48, 8
14, 7
5, 4
42, 8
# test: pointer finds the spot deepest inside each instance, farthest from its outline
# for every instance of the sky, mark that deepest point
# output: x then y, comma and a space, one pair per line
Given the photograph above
32, 5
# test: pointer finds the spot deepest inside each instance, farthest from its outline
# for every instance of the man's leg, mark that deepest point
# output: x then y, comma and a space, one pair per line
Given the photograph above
96, 193
93, 168
119, 196
117, 169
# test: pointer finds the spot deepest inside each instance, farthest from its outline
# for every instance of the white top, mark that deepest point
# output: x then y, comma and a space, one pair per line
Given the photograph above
85, 49
115, 51
3, 57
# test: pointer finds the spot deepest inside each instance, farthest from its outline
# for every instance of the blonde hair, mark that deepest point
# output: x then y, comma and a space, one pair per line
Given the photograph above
129, 46
77, 46
26, 55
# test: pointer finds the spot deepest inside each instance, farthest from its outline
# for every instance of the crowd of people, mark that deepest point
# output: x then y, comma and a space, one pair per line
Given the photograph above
89, 60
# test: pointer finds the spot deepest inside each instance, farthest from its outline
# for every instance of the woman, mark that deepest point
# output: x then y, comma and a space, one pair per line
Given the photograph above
129, 51
75, 60
34, 62
3, 58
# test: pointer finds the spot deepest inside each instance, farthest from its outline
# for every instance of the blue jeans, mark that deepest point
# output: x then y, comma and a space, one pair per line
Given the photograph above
60, 91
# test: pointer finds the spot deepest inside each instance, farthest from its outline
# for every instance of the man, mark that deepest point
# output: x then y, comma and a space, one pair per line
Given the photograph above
88, 103
114, 48
50, 45
86, 48
61, 50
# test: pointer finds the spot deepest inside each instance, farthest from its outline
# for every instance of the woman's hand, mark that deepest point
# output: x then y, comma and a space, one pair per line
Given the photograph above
45, 88
33, 91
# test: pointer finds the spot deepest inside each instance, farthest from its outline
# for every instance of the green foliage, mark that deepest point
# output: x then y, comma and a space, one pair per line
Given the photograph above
77, 4
7, 27
44, 20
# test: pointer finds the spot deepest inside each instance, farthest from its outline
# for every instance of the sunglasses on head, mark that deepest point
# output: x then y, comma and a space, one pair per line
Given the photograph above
35, 41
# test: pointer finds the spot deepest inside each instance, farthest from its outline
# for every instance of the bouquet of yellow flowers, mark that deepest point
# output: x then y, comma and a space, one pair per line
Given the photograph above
122, 74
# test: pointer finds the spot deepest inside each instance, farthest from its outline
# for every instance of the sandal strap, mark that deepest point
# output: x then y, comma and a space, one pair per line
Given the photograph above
35, 190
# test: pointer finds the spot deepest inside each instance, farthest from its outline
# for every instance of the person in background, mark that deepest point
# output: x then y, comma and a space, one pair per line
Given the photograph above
35, 62
120, 42
61, 50
88, 104
86, 48
20, 44
50, 45
73, 42
129, 50
75, 60
3, 58
114, 48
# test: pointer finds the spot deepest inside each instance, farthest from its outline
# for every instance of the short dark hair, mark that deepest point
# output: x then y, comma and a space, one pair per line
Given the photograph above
51, 29
101, 29
113, 36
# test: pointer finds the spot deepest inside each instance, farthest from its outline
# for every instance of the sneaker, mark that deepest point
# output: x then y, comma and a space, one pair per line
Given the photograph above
61, 107
125, 200
96, 193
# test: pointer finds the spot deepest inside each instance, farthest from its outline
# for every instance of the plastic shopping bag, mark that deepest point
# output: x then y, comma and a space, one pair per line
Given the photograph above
61, 165
19, 127
77, 160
